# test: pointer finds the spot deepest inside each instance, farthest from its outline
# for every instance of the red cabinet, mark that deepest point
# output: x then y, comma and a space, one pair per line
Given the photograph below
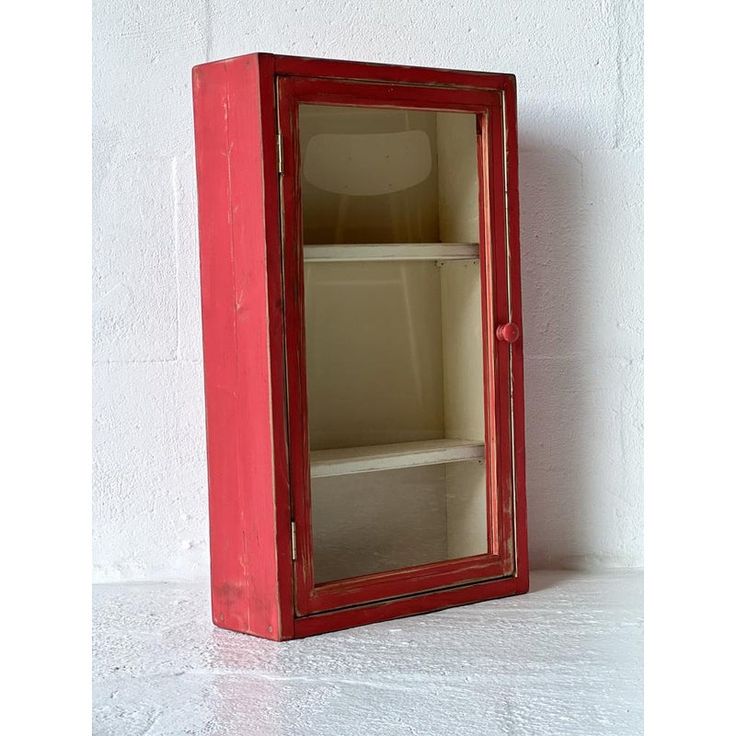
362, 335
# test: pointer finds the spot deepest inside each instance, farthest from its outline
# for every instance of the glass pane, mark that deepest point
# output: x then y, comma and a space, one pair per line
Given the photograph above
373, 522
393, 329
372, 175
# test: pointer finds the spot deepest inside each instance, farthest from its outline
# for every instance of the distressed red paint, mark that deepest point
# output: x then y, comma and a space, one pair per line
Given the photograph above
253, 334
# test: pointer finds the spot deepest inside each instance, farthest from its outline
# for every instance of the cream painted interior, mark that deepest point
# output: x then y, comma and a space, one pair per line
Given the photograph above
390, 162
394, 348
369, 175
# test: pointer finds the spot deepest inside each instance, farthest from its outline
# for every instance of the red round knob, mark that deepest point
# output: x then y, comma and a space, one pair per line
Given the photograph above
508, 332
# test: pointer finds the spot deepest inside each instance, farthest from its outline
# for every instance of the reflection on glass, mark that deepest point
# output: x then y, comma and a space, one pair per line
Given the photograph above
372, 175
393, 328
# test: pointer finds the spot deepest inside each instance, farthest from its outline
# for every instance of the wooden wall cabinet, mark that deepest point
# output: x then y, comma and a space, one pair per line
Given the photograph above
362, 340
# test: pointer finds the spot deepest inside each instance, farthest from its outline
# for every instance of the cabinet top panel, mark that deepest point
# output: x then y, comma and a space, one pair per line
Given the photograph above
280, 65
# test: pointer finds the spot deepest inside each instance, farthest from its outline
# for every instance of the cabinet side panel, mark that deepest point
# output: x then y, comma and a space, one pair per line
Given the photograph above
235, 330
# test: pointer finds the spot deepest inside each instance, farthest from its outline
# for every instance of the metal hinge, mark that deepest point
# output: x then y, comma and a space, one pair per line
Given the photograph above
293, 540
279, 154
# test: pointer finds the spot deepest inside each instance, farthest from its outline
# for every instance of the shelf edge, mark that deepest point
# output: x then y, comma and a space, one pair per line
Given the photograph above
383, 460
390, 252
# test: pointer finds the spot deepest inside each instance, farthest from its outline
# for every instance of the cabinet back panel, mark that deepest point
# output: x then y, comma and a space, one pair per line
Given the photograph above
368, 175
392, 519
374, 353
373, 522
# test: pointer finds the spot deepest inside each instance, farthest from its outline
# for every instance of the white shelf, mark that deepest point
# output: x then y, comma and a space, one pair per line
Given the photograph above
391, 252
349, 460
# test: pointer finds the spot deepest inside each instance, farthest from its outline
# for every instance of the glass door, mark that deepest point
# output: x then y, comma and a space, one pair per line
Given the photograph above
394, 377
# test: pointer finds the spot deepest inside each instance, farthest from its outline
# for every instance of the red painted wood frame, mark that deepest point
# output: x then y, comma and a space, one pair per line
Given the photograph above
253, 330
499, 561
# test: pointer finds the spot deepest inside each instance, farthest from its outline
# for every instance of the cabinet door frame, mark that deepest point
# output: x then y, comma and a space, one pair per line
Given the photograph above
502, 559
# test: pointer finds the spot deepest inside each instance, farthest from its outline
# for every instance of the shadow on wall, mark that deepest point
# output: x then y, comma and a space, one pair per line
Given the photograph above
578, 366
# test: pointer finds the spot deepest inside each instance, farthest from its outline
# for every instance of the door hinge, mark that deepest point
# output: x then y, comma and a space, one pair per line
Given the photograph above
279, 154
293, 540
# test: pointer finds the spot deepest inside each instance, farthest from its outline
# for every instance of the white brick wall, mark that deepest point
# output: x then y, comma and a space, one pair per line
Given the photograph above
578, 66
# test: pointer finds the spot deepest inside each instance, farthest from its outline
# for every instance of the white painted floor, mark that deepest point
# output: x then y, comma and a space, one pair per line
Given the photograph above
564, 659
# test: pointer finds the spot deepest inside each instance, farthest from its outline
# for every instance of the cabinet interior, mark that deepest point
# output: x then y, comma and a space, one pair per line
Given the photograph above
393, 338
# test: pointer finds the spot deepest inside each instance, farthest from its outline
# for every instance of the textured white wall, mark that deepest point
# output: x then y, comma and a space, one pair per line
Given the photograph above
578, 66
